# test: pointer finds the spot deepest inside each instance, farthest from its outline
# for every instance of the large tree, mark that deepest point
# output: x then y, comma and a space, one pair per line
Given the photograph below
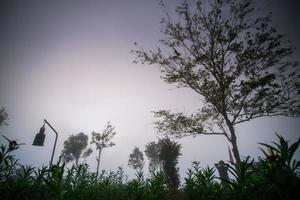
231, 56
76, 147
136, 159
103, 140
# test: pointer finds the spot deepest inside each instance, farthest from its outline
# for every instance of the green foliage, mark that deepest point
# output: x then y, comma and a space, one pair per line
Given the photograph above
157, 186
276, 176
137, 187
200, 183
243, 184
8, 162
282, 154
75, 147
279, 170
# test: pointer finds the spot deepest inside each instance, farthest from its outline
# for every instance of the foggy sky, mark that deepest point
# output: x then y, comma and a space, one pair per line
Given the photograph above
70, 62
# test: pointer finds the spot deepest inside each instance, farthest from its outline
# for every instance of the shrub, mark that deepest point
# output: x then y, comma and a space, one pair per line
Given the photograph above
201, 184
275, 176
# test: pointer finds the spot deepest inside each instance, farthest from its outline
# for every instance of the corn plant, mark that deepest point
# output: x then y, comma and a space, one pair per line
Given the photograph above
243, 183
137, 187
54, 181
157, 188
200, 183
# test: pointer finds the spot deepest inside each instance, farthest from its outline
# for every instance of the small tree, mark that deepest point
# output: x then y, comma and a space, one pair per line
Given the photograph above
75, 147
152, 150
169, 153
164, 155
230, 56
136, 159
103, 140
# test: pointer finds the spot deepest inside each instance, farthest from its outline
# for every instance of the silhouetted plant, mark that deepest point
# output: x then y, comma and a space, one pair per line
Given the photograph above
163, 155
75, 147
244, 181
200, 183
157, 186
282, 154
103, 140
136, 159
234, 59
8, 162
279, 170
3, 117
168, 155
137, 187
152, 150
276, 176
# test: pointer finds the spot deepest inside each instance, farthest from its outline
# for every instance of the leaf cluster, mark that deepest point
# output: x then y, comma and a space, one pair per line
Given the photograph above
75, 147
103, 140
136, 159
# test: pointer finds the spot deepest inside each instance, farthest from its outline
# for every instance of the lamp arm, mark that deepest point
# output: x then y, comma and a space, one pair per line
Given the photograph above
56, 135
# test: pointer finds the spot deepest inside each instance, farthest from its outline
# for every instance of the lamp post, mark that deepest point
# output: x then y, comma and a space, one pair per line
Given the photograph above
40, 138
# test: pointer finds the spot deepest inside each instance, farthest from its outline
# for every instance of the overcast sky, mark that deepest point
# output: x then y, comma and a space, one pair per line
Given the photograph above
70, 62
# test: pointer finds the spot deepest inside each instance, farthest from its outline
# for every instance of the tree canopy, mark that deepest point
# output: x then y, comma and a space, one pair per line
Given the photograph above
233, 58
163, 155
136, 159
169, 153
152, 150
75, 147
103, 140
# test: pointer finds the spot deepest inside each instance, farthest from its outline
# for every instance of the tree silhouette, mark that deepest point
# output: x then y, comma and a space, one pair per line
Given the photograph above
103, 140
3, 117
136, 159
163, 155
169, 153
152, 150
239, 65
75, 147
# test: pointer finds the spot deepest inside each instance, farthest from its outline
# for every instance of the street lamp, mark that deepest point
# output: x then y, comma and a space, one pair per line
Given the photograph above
40, 138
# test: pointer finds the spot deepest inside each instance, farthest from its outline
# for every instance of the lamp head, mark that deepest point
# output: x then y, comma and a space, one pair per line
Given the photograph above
40, 137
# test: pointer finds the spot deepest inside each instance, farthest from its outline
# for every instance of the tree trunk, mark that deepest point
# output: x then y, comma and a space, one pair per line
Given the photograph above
76, 161
98, 162
235, 149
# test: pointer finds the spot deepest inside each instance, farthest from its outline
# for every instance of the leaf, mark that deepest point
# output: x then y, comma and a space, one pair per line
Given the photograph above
292, 150
269, 146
